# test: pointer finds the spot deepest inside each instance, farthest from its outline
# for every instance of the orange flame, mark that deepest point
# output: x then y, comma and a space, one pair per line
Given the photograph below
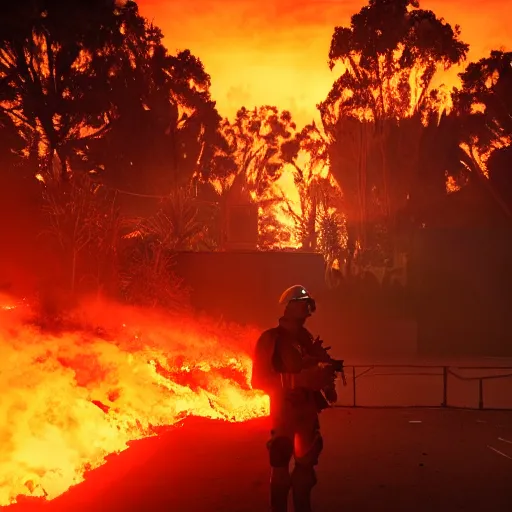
71, 399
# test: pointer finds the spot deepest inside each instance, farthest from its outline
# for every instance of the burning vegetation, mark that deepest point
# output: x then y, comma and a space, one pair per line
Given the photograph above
107, 376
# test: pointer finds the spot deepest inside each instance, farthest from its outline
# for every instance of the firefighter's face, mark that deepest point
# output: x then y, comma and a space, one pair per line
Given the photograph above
300, 309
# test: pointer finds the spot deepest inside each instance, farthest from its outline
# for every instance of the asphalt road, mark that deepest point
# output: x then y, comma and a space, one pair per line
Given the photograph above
374, 460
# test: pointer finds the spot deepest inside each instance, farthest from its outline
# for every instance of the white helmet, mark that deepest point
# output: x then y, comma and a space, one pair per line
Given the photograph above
297, 292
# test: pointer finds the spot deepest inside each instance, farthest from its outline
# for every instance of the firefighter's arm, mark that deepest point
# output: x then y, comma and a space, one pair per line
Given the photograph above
271, 359
264, 375
307, 372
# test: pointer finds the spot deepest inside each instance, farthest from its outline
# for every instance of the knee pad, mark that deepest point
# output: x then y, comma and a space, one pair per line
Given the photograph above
280, 450
311, 457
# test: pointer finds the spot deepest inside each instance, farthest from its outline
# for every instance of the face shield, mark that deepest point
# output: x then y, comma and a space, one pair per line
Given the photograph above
301, 308
311, 304
298, 299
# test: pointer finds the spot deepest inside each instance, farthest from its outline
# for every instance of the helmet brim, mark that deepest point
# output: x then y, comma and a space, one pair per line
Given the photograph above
311, 302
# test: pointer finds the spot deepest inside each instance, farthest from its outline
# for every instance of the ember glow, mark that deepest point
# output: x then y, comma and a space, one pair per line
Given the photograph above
69, 399
286, 42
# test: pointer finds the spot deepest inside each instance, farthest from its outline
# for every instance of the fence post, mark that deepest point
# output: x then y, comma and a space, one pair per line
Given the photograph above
445, 387
353, 386
480, 394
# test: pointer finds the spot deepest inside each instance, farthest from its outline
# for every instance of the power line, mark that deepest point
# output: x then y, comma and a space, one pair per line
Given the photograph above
136, 194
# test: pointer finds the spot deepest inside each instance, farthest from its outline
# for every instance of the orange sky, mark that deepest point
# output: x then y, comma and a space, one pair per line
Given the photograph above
275, 51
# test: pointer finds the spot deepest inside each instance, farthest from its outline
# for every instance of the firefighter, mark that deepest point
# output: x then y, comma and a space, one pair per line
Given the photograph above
299, 388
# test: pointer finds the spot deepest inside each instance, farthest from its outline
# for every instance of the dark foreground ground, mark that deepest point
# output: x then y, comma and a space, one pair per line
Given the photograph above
374, 460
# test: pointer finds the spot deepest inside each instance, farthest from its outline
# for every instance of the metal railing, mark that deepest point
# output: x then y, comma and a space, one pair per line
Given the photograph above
357, 372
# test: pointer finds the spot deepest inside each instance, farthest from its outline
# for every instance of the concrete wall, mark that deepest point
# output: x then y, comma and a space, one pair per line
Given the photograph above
245, 287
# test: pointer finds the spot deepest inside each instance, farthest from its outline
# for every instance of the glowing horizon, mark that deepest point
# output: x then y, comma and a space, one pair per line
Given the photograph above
274, 52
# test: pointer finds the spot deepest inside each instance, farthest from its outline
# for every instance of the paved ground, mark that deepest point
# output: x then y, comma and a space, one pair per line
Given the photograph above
375, 460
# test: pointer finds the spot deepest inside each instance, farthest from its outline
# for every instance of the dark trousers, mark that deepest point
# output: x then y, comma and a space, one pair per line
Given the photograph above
295, 434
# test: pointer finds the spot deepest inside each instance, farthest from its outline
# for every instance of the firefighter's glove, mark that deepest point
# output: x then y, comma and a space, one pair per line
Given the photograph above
331, 395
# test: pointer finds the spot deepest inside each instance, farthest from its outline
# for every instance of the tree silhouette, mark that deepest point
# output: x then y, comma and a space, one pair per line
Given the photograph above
255, 140
307, 153
56, 60
485, 100
12, 142
166, 127
484, 106
440, 160
252, 162
389, 56
84, 222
